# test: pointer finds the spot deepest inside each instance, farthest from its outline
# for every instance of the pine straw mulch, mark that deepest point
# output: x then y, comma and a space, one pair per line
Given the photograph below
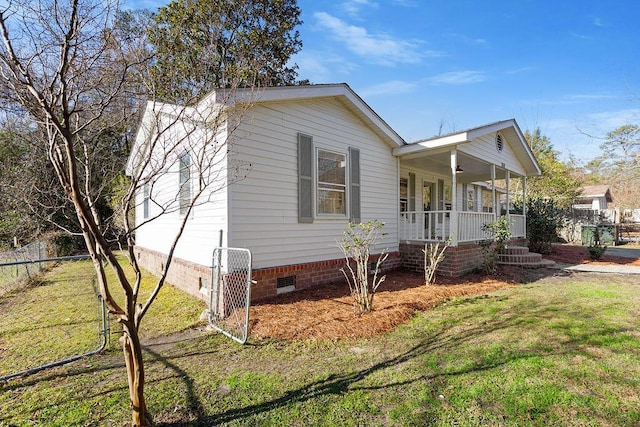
326, 312
574, 254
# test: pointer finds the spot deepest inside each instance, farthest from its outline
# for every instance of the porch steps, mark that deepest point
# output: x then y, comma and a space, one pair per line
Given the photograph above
521, 257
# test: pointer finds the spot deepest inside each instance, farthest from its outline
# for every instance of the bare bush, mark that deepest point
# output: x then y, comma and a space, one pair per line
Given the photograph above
356, 247
433, 256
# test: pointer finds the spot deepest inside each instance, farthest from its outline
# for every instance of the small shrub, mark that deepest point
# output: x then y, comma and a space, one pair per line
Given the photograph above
500, 232
544, 220
356, 246
433, 256
489, 256
596, 249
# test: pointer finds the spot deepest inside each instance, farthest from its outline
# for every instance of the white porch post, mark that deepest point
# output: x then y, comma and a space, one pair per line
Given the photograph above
508, 178
524, 203
453, 220
493, 191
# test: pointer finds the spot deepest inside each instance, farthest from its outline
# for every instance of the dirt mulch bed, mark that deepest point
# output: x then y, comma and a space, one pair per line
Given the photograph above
574, 254
326, 312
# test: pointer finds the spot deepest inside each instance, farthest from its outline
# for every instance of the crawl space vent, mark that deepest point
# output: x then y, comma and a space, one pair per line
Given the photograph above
286, 284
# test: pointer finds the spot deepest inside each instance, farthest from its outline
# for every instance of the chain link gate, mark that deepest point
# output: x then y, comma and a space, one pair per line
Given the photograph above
230, 292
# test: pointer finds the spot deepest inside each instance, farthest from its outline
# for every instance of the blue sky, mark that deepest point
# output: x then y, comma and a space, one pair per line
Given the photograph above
568, 67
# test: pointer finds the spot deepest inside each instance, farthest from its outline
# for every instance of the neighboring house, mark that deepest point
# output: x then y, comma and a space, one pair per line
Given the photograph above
593, 202
594, 197
321, 157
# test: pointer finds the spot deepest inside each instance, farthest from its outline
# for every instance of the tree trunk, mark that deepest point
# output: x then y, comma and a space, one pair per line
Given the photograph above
135, 374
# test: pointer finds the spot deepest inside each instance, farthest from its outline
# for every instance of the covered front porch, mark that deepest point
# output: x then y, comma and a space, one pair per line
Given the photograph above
451, 186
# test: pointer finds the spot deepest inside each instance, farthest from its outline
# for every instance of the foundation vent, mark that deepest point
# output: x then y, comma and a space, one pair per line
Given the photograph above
286, 284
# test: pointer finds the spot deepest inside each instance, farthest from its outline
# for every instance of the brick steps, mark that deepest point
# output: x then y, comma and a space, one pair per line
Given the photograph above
521, 257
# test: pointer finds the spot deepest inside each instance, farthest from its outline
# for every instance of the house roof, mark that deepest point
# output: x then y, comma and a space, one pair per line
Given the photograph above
339, 91
594, 191
509, 127
221, 98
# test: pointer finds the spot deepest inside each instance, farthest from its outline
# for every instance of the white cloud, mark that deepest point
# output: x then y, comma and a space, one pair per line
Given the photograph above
611, 120
458, 77
520, 70
393, 87
405, 3
381, 49
572, 99
321, 67
473, 41
581, 36
598, 22
352, 7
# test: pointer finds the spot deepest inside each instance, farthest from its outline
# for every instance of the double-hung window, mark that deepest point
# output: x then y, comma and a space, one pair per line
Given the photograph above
184, 194
331, 183
145, 200
328, 182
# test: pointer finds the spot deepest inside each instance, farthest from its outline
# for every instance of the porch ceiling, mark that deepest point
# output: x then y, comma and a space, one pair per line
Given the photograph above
440, 163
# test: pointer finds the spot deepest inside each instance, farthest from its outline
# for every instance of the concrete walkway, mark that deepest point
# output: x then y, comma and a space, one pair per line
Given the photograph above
594, 268
632, 253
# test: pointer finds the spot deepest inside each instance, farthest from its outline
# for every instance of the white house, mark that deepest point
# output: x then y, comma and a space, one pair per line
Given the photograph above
311, 159
593, 202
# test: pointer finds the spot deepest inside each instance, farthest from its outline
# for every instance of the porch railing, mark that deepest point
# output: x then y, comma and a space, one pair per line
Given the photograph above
518, 225
470, 226
437, 226
425, 225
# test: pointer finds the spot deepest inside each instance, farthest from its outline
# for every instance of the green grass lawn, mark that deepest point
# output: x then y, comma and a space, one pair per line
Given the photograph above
559, 351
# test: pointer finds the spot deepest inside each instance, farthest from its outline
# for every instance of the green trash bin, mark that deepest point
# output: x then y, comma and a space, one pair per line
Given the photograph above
606, 232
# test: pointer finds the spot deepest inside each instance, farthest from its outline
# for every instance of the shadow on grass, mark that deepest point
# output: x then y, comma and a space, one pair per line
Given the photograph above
443, 340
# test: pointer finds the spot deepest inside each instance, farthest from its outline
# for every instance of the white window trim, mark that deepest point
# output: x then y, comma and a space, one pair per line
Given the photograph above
316, 185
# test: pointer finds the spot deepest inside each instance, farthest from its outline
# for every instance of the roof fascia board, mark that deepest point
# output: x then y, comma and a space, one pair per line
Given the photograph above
430, 144
293, 93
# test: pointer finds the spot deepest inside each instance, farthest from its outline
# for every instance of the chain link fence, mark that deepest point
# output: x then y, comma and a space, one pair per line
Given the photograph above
51, 312
230, 292
19, 266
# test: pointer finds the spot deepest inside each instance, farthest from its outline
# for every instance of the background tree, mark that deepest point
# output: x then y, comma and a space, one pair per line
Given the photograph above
559, 181
73, 70
207, 44
619, 166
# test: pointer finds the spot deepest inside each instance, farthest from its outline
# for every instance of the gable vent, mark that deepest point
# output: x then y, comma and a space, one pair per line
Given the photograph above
499, 142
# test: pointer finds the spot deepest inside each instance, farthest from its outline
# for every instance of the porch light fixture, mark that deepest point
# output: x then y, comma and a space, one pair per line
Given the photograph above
459, 169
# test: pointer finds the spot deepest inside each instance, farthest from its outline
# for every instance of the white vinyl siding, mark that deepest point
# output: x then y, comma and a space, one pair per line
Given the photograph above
485, 148
264, 206
201, 234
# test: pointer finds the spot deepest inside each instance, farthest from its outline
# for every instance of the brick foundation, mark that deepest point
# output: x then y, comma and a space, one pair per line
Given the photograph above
458, 260
192, 277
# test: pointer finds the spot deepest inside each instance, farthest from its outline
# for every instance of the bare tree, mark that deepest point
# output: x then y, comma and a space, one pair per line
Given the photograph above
62, 64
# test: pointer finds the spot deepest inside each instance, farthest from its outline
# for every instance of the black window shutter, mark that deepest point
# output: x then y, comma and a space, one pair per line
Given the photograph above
354, 185
305, 178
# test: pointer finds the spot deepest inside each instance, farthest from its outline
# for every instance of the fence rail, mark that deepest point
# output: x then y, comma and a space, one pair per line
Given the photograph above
49, 318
